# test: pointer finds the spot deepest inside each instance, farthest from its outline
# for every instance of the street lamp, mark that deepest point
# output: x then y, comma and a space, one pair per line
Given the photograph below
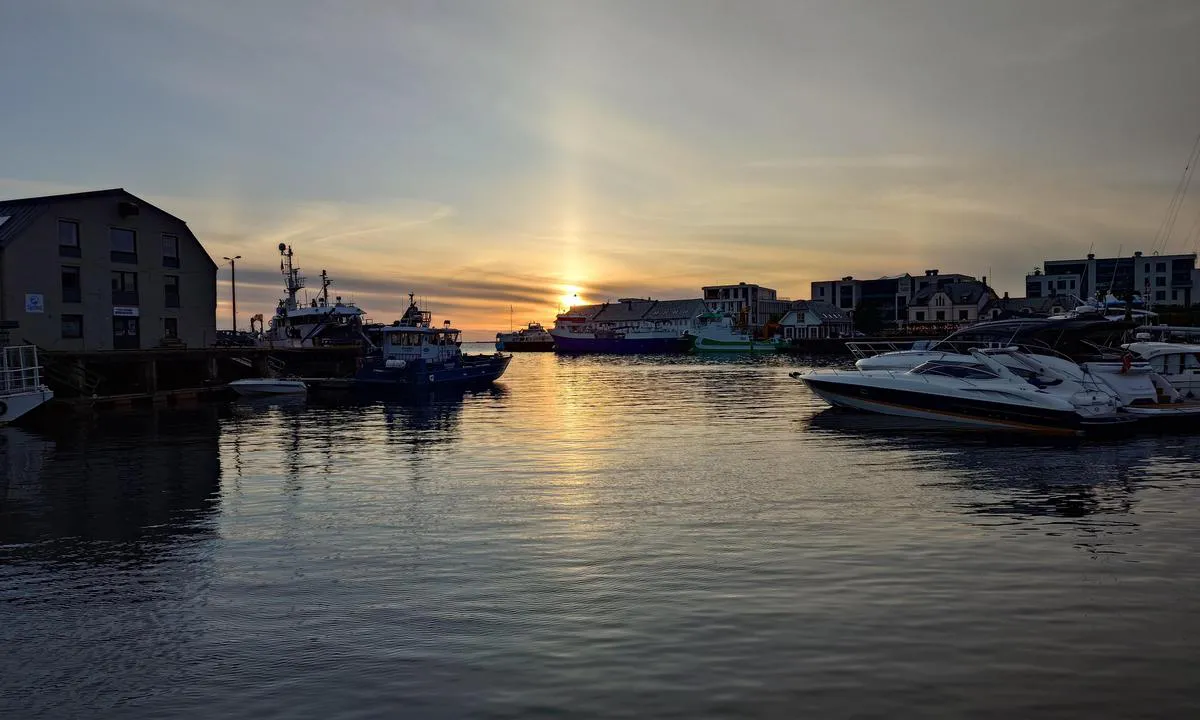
233, 284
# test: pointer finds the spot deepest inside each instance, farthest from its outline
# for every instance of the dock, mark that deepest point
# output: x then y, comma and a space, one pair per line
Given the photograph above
172, 375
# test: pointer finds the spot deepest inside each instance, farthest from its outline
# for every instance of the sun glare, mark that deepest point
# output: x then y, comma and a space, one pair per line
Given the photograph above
570, 297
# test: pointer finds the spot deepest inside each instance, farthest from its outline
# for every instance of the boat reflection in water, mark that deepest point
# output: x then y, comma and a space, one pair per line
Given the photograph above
1015, 477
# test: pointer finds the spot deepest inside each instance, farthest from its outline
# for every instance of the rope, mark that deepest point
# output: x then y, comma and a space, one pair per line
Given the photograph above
1168, 223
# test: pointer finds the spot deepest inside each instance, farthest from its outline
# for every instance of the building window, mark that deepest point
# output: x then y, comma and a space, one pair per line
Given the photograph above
171, 289
920, 316
1062, 284
1160, 295
124, 288
71, 291
171, 328
1160, 267
170, 247
941, 314
1160, 282
123, 244
821, 291
940, 300
72, 326
1174, 294
1071, 284
1147, 267
963, 315
68, 238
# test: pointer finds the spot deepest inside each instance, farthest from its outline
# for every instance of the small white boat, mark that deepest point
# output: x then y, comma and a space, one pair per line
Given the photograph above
21, 385
268, 386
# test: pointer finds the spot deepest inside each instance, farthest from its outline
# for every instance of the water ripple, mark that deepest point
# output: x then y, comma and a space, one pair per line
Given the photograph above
594, 537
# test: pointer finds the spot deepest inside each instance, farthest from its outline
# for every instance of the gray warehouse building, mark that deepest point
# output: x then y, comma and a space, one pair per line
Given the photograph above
103, 270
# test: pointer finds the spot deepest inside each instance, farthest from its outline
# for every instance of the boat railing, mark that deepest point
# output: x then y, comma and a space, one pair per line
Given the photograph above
871, 348
19, 369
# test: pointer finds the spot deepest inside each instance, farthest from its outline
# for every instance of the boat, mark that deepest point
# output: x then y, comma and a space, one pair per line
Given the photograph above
1177, 363
319, 323
415, 354
716, 332
998, 388
1078, 350
574, 334
21, 383
1111, 309
268, 386
531, 338
1076, 338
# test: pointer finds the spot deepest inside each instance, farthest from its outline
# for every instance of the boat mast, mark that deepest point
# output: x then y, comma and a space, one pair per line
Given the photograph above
325, 282
292, 280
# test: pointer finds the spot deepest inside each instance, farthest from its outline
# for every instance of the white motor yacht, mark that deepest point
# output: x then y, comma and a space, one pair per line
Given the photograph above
1178, 363
1003, 388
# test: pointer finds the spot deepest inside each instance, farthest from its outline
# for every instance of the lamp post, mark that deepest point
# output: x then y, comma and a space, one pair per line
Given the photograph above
233, 285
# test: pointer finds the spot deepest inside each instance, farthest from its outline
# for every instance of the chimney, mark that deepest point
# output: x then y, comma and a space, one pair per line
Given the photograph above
985, 280
1005, 294
1138, 253
1091, 256
931, 273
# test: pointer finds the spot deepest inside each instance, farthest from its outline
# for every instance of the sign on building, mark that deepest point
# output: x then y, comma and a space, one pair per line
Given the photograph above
35, 303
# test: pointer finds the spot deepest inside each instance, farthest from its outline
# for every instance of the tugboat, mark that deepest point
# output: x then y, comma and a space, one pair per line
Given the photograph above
319, 324
717, 333
532, 338
415, 354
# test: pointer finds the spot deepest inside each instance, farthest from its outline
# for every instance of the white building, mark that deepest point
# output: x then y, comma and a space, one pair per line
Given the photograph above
753, 304
1159, 279
810, 319
951, 303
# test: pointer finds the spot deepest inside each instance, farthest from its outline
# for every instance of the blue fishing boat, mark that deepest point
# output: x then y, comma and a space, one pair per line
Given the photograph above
415, 354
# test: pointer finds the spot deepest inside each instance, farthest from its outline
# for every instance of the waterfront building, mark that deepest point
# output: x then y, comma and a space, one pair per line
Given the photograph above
103, 270
750, 304
809, 319
1159, 279
951, 303
1016, 307
675, 314
889, 296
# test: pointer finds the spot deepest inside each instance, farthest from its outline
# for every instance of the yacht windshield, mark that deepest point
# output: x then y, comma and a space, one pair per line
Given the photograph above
954, 370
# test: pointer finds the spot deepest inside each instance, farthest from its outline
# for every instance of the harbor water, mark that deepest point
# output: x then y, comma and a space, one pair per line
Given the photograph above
591, 538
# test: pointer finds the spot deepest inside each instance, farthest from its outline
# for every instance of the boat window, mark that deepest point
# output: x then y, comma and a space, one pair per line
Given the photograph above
956, 370
1174, 364
1159, 364
1191, 361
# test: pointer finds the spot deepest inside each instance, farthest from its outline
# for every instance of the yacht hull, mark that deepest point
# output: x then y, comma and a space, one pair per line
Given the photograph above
17, 404
473, 369
972, 413
710, 345
531, 346
621, 345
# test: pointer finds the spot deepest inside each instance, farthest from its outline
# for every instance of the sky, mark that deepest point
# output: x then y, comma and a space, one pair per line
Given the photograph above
498, 154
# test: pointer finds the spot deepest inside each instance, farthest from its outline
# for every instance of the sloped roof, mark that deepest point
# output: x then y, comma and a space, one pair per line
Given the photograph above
676, 309
631, 310
960, 293
825, 312
21, 212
